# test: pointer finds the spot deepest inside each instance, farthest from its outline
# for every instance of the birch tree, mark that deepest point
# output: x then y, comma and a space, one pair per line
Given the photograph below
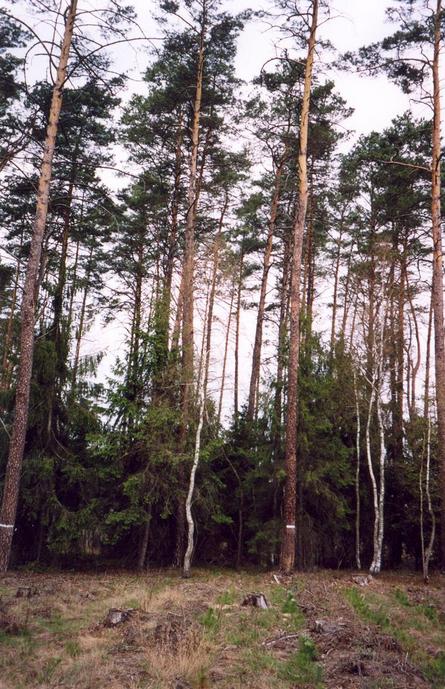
411, 57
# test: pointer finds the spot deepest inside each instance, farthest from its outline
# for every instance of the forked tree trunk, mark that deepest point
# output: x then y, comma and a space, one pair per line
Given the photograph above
438, 300
288, 541
17, 443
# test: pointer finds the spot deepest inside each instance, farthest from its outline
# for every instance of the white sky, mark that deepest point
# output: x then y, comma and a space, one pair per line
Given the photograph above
375, 101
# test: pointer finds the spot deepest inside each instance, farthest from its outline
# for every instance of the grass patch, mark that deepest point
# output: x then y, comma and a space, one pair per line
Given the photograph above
434, 670
227, 597
402, 598
399, 623
364, 610
72, 648
286, 602
211, 620
60, 626
302, 668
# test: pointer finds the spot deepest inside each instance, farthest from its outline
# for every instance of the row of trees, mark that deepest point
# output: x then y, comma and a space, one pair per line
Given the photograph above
232, 208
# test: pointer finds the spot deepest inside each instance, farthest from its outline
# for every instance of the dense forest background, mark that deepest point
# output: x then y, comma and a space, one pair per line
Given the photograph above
173, 215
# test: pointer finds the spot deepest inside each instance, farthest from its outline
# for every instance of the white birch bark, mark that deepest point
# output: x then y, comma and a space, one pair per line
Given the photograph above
357, 477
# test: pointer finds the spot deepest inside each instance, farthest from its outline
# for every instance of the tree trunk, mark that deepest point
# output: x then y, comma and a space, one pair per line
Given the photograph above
143, 548
237, 334
424, 488
226, 349
256, 356
5, 380
357, 477
335, 297
187, 281
18, 434
438, 301
287, 558
189, 251
80, 327
215, 267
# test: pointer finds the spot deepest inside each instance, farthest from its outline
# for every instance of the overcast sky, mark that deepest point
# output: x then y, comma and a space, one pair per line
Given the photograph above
354, 23
375, 100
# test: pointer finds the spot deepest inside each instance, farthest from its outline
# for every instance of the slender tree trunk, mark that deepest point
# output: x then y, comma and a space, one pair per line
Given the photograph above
18, 435
357, 476
204, 330
215, 268
237, 334
173, 237
202, 392
81, 326
288, 541
73, 287
226, 349
376, 395
256, 356
438, 300
187, 282
176, 333
335, 297
424, 488
142, 557
309, 263
346, 303
5, 380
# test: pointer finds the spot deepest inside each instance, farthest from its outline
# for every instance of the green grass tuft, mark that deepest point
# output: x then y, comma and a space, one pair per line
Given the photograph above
363, 609
301, 668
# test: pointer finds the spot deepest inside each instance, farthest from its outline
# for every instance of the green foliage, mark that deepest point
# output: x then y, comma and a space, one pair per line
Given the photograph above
364, 610
211, 620
302, 668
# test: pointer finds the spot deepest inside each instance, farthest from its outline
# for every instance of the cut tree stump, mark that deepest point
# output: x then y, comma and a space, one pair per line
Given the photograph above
117, 616
363, 580
26, 592
256, 600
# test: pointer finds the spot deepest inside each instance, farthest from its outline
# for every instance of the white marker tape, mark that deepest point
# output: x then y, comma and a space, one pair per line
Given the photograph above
6, 526
290, 526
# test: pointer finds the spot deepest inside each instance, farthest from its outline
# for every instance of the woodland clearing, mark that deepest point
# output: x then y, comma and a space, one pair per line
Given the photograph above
321, 630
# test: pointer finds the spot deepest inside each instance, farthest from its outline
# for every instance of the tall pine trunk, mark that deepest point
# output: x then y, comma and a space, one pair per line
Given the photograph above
18, 435
288, 541
438, 301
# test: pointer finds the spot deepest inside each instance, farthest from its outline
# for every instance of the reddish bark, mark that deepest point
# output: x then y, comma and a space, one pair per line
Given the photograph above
18, 434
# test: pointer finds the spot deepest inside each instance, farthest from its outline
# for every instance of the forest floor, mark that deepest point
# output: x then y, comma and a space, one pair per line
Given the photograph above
321, 630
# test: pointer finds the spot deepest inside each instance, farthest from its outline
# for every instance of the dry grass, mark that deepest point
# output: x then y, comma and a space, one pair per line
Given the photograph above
194, 634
